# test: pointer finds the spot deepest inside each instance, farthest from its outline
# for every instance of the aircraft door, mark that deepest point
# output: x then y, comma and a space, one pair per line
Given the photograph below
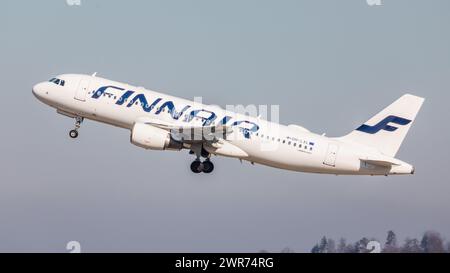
82, 90
330, 158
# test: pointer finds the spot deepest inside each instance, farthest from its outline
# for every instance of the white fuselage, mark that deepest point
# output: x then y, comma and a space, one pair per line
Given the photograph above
286, 147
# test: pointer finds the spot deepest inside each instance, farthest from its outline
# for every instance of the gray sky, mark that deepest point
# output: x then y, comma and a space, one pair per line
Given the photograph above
330, 65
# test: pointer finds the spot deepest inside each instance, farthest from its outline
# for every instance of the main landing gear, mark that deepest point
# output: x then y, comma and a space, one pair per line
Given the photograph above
74, 133
197, 166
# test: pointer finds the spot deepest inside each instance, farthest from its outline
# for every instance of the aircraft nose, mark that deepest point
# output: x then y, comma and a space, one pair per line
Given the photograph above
38, 90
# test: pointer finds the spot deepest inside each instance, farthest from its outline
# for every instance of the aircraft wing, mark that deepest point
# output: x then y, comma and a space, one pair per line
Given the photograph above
192, 134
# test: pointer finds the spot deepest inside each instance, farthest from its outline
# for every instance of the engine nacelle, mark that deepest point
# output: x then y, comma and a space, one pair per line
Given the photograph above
153, 138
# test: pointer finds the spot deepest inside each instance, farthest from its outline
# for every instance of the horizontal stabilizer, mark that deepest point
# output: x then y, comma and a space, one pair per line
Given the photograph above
382, 163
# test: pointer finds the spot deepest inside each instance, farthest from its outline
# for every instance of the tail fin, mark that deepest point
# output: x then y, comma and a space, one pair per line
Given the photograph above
387, 130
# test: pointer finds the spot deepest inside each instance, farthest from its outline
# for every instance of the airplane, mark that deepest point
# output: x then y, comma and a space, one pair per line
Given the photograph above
162, 122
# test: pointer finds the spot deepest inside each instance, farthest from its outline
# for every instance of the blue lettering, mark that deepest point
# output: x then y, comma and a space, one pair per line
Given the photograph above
206, 121
124, 97
173, 112
244, 130
97, 94
143, 102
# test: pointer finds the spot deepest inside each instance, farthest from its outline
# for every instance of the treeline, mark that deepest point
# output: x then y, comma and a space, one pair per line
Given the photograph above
431, 242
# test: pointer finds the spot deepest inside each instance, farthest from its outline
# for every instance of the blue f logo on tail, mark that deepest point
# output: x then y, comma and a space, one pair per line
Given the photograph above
384, 125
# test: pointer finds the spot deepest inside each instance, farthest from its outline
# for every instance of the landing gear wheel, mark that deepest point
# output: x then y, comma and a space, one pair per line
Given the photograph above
208, 166
73, 133
196, 166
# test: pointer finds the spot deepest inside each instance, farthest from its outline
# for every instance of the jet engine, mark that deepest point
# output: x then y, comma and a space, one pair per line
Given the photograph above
153, 138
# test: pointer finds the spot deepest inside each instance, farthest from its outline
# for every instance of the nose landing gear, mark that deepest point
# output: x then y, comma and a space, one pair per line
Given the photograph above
74, 133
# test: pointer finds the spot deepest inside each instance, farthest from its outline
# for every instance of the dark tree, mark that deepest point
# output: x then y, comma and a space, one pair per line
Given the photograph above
391, 239
342, 245
411, 246
350, 248
315, 249
331, 246
432, 242
361, 245
391, 243
323, 246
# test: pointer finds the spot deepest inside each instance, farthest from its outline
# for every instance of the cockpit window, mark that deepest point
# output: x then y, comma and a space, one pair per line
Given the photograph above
58, 81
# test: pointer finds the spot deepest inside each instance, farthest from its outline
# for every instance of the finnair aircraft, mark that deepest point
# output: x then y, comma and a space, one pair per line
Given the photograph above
161, 122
